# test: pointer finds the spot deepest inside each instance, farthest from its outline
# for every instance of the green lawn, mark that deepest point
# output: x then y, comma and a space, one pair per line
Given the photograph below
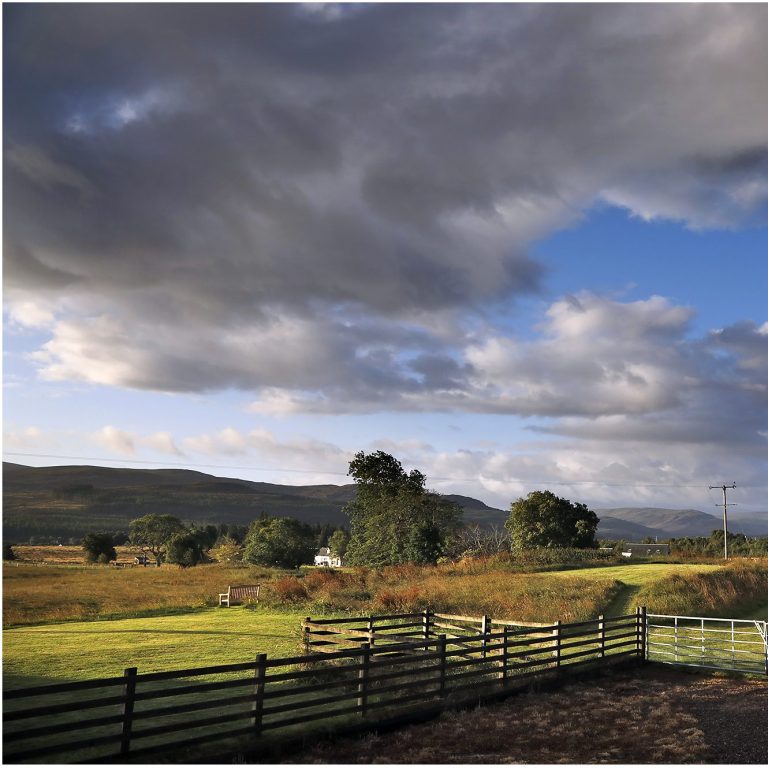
90, 649
633, 577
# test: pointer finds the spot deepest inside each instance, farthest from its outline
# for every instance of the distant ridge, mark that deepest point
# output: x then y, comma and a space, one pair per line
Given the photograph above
633, 522
69, 501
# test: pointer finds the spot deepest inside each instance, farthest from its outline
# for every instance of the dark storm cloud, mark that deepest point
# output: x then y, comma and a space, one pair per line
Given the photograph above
326, 201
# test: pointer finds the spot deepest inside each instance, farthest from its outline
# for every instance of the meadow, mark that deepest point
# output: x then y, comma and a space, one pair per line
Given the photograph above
74, 622
81, 650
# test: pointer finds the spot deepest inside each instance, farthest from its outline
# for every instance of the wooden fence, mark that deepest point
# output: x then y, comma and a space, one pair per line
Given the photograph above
398, 665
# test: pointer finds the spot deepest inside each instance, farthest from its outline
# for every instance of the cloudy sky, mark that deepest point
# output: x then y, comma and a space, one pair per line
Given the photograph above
517, 246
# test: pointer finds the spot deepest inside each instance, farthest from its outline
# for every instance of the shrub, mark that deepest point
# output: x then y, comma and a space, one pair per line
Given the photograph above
289, 589
405, 600
99, 548
319, 579
186, 548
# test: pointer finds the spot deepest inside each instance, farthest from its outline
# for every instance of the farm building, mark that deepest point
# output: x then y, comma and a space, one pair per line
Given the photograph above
324, 557
644, 550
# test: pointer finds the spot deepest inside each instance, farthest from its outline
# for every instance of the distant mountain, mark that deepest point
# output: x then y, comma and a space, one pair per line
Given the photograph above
615, 529
626, 522
69, 501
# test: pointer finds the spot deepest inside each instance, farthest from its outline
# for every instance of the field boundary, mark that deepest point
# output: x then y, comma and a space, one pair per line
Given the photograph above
381, 677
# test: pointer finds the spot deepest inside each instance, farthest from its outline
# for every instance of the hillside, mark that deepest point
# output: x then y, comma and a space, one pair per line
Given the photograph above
633, 522
70, 501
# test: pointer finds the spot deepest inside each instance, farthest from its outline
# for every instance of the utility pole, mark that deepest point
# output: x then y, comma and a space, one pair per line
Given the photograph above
725, 506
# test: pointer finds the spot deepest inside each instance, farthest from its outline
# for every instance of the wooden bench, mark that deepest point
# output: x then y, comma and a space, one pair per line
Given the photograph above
239, 594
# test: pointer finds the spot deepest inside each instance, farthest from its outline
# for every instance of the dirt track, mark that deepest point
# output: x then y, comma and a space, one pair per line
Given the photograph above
658, 715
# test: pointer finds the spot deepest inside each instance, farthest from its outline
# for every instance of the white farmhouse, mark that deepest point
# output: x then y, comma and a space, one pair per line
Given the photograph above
324, 557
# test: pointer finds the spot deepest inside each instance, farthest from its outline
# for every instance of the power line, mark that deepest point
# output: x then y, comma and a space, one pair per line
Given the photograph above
254, 468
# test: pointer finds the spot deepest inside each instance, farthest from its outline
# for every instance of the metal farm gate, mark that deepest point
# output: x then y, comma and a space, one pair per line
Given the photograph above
737, 645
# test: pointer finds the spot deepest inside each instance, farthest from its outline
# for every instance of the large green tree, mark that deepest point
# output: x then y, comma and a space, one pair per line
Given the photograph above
545, 520
393, 518
154, 531
279, 541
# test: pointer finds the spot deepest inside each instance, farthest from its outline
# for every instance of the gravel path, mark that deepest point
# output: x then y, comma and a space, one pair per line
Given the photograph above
657, 715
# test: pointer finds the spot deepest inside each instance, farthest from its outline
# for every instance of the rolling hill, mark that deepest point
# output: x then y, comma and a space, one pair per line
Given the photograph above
69, 501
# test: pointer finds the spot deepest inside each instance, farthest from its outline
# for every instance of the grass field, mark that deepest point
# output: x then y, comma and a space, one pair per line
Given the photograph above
90, 649
185, 631
633, 578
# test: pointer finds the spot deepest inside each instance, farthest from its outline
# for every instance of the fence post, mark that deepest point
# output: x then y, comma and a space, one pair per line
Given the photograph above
556, 640
426, 627
441, 649
642, 622
258, 690
362, 679
765, 641
485, 628
675, 638
505, 655
129, 692
371, 639
306, 631
601, 634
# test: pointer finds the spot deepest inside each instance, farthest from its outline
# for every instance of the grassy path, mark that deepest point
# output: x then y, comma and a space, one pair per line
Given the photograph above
633, 577
90, 649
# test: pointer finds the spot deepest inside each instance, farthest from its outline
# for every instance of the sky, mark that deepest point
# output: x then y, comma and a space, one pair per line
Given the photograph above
516, 246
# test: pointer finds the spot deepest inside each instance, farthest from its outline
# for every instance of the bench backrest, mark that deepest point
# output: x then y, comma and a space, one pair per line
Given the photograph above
244, 591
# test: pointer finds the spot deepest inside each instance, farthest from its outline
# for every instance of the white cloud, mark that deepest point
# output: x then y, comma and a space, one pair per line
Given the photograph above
25, 439
162, 442
31, 314
290, 454
116, 440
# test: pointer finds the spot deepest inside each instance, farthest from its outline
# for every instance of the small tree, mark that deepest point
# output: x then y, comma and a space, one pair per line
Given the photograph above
227, 550
545, 520
338, 542
281, 541
153, 531
99, 548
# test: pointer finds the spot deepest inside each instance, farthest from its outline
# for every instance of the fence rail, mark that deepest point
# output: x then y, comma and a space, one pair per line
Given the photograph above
369, 668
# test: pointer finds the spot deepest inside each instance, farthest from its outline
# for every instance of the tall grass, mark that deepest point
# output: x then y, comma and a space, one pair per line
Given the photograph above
38, 594
403, 588
733, 590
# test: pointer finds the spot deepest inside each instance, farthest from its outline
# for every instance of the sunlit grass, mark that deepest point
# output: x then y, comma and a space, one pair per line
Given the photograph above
732, 591
90, 649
